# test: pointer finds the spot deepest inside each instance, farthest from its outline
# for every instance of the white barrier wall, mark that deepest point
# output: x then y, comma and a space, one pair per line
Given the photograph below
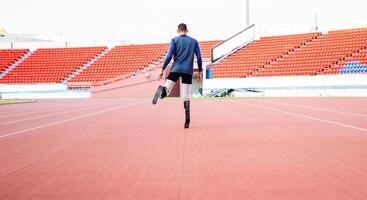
300, 92
330, 85
47, 95
33, 88
287, 81
41, 91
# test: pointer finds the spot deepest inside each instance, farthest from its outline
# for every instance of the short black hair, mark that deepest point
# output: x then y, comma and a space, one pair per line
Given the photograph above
182, 27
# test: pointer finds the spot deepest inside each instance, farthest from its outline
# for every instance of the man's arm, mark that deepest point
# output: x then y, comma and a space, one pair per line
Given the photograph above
171, 51
198, 57
199, 61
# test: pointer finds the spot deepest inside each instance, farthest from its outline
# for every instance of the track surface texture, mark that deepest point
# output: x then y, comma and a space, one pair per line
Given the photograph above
272, 148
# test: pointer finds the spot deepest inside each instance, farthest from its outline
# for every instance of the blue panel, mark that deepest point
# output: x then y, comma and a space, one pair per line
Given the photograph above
353, 67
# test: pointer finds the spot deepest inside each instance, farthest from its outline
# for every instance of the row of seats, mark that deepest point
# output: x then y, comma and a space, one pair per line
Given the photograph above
336, 52
9, 57
357, 63
53, 65
259, 53
125, 60
319, 54
50, 65
121, 60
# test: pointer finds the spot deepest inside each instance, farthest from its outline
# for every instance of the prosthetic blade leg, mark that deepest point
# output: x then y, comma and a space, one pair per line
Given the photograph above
187, 113
163, 91
186, 99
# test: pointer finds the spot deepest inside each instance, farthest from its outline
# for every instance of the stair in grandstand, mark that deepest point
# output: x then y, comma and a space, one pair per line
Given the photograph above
90, 62
229, 92
217, 93
15, 63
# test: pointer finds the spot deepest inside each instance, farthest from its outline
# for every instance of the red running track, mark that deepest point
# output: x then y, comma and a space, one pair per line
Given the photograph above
290, 148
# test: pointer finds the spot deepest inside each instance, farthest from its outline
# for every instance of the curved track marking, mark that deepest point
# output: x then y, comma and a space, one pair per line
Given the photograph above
71, 119
303, 116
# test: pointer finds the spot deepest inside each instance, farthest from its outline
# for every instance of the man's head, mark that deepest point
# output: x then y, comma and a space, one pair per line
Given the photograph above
182, 29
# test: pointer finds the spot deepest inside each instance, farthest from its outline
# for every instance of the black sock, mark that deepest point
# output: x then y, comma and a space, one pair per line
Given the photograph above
164, 92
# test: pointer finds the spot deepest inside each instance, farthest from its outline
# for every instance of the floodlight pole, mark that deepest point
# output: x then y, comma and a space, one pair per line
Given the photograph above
247, 13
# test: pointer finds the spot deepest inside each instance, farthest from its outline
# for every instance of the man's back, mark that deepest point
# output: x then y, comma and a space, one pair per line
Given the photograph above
183, 48
184, 55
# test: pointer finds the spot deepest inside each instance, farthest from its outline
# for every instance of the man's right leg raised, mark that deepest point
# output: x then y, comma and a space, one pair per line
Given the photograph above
165, 90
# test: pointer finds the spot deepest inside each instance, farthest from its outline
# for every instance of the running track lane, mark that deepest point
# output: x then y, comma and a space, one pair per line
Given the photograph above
234, 150
12, 125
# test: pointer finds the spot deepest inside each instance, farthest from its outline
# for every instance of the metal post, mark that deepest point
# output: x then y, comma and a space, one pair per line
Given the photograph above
316, 22
247, 13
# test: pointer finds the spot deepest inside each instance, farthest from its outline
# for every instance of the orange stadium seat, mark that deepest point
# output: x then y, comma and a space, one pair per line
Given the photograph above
50, 65
9, 57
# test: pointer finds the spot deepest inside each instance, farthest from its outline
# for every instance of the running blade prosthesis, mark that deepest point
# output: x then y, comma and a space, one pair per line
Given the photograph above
187, 113
161, 93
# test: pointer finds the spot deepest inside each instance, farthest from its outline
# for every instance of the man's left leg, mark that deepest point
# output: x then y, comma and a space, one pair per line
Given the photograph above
186, 96
186, 99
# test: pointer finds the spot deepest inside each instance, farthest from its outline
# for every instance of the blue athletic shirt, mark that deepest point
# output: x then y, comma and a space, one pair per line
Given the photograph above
183, 48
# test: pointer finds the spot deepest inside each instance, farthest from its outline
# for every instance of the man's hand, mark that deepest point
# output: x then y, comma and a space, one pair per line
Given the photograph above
200, 76
160, 76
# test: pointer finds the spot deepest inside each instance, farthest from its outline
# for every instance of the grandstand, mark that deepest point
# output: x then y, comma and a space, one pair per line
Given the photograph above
289, 55
306, 55
296, 55
318, 55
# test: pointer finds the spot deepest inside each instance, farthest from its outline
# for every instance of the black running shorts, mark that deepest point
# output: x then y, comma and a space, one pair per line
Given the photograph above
186, 78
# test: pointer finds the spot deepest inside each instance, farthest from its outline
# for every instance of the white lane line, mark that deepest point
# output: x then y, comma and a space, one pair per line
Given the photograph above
320, 109
303, 116
70, 119
55, 114
27, 113
17, 114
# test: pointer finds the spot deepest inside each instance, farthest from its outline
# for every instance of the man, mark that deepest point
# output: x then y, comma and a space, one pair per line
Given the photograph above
182, 48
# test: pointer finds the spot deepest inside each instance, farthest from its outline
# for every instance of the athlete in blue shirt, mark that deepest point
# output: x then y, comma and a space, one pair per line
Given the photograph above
182, 49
